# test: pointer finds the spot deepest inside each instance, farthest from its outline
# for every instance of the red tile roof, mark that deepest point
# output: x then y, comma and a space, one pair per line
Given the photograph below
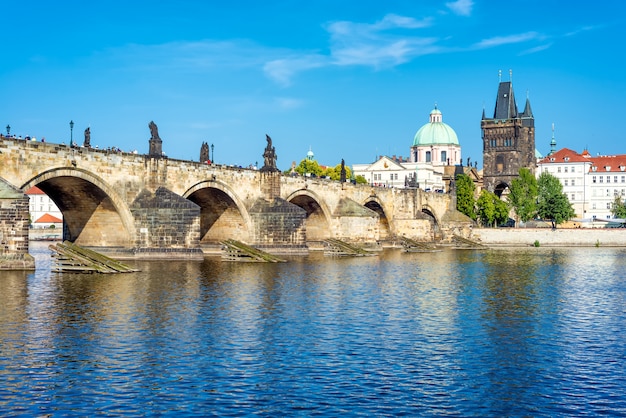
46, 218
601, 163
566, 155
34, 190
609, 163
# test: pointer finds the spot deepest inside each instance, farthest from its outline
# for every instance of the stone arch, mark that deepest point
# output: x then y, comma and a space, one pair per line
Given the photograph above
501, 189
94, 214
318, 220
384, 227
222, 214
435, 226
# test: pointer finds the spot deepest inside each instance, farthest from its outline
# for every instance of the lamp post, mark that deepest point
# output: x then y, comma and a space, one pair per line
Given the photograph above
212, 154
8, 130
71, 133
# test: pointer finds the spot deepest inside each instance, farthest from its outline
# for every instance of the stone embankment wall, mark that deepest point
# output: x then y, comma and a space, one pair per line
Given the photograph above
560, 237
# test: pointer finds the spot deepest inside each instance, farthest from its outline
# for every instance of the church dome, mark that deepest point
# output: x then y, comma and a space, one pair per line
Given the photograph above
435, 132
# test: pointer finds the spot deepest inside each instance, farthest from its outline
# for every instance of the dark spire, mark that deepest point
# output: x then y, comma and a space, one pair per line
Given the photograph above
506, 108
528, 112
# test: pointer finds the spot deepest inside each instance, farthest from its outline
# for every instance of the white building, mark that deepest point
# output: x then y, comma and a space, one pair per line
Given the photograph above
43, 211
590, 183
435, 146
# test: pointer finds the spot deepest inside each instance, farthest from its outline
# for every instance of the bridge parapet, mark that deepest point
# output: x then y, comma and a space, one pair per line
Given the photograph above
126, 200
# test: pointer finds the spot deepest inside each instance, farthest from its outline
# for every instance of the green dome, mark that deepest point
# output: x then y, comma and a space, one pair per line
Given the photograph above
435, 132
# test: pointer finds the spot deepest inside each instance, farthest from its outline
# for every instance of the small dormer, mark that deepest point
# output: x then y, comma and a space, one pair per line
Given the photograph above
566, 158
594, 168
622, 167
607, 167
551, 158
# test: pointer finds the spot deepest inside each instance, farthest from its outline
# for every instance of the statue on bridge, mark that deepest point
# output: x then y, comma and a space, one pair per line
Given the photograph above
87, 142
156, 145
269, 156
154, 130
204, 153
342, 174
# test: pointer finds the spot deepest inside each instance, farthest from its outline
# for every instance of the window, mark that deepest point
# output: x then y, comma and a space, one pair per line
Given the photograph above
623, 192
558, 170
573, 182
428, 159
623, 179
601, 177
565, 169
593, 206
573, 197
444, 156
608, 179
565, 182
615, 192
608, 205
608, 192
614, 179
593, 179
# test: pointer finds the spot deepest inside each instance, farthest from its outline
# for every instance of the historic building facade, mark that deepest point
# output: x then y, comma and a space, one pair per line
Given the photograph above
508, 140
590, 183
434, 156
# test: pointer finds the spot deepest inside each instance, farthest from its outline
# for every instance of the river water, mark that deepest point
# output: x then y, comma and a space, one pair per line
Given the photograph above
518, 332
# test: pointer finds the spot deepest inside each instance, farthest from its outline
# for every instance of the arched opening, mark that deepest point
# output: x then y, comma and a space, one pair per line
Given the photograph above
502, 190
220, 217
383, 223
317, 227
437, 235
90, 216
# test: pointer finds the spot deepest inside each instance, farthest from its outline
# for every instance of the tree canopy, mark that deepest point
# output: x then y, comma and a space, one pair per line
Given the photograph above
309, 166
523, 195
552, 203
490, 209
618, 209
465, 201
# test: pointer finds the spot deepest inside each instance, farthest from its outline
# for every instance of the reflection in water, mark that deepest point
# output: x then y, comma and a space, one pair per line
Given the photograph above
498, 333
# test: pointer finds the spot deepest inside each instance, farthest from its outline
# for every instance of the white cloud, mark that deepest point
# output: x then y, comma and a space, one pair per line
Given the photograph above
510, 39
461, 7
288, 103
282, 70
536, 49
383, 43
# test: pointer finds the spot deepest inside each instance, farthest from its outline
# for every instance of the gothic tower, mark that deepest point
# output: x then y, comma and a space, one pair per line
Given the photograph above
508, 140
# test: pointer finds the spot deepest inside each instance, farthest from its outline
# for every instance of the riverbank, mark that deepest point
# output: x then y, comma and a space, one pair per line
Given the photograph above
547, 237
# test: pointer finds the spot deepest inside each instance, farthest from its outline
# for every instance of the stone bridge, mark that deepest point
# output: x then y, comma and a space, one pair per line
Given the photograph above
146, 206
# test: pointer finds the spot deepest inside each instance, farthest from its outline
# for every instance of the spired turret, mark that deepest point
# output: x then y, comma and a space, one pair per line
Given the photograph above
508, 140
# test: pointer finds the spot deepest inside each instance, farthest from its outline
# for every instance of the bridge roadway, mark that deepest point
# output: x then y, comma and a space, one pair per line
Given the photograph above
151, 206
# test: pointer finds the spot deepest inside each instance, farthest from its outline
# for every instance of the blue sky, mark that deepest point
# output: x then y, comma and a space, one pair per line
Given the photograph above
350, 79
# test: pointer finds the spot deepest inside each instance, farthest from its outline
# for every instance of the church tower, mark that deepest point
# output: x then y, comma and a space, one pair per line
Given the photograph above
508, 140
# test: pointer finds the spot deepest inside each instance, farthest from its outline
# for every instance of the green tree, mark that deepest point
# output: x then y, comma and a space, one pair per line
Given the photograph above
309, 166
552, 203
491, 210
523, 195
360, 179
618, 209
465, 201
486, 208
335, 172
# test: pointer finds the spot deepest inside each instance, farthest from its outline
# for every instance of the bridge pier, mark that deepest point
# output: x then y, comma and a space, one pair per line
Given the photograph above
14, 220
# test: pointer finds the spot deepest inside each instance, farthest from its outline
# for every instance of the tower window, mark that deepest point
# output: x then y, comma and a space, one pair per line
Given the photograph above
444, 156
500, 163
428, 158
